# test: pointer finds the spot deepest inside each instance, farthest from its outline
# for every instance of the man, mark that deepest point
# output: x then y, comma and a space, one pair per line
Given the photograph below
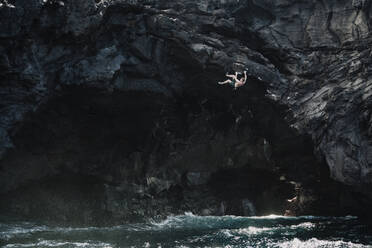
234, 81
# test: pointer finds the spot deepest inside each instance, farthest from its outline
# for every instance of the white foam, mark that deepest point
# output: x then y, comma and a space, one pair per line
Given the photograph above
12, 231
254, 230
271, 217
305, 217
53, 243
189, 220
311, 243
305, 225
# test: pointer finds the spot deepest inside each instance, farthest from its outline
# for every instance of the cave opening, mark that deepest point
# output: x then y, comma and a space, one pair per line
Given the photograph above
145, 154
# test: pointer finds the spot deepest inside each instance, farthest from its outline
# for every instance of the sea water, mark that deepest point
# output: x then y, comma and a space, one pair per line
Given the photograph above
196, 231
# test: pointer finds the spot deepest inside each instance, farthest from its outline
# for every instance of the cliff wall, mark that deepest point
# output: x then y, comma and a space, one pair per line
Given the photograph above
112, 108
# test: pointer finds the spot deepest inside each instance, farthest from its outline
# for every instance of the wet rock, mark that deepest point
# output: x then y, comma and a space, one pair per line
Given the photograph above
158, 185
87, 86
248, 208
100, 68
142, 47
197, 178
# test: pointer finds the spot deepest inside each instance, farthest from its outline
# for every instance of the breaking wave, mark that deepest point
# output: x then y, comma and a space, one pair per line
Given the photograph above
190, 230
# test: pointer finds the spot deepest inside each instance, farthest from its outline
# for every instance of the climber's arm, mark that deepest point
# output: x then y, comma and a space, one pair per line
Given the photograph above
235, 77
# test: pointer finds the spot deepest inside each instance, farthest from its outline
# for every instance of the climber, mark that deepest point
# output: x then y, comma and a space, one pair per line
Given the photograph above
228, 81
234, 81
241, 82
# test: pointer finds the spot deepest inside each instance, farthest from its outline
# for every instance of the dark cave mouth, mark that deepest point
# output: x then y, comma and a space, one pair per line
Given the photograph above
113, 142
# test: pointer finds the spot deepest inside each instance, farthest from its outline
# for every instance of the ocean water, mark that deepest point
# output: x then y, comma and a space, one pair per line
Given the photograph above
196, 231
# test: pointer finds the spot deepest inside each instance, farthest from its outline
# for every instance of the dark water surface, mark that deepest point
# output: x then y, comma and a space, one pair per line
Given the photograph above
195, 231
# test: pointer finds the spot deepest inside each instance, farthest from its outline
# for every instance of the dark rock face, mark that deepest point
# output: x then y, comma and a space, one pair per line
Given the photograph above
112, 108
